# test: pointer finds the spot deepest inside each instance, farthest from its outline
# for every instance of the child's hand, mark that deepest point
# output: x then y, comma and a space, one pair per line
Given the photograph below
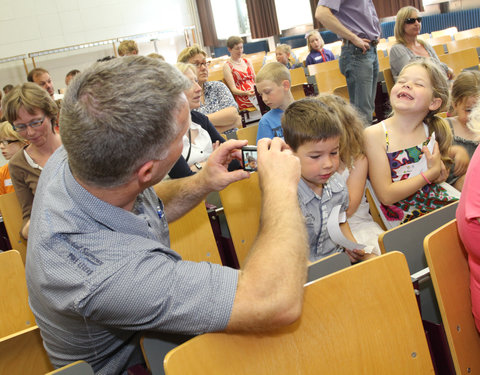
434, 162
358, 255
442, 177
215, 145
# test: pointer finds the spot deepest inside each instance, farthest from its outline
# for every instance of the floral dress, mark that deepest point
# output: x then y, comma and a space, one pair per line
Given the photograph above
244, 81
423, 201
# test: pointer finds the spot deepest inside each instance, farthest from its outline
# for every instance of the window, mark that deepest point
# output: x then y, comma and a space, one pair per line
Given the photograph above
231, 18
291, 14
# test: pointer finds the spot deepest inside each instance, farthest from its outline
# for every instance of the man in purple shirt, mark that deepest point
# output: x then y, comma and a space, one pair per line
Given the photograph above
356, 22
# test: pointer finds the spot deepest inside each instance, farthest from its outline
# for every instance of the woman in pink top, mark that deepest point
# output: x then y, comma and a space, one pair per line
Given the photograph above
468, 222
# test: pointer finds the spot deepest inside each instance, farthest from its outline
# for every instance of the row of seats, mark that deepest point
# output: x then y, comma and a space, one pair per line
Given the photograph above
406, 238
347, 323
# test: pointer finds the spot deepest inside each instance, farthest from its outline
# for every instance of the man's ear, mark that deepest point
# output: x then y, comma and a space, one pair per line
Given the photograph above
145, 172
286, 84
435, 104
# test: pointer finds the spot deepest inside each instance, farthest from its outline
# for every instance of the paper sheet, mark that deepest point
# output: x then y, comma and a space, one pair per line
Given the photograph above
335, 233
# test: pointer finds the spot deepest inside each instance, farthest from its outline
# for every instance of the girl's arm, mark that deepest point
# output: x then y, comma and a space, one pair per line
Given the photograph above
387, 191
356, 184
461, 159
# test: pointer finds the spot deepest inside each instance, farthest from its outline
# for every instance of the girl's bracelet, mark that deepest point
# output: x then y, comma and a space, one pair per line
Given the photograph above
425, 178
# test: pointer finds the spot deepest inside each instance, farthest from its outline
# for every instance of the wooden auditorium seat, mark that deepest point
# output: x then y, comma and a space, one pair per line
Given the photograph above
363, 319
75, 368
323, 67
447, 260
242, 204
249, 133
465, 34
15, 313
23, 353
192, 237
460, 60
450, 31
327, 81
12, 217
461, 44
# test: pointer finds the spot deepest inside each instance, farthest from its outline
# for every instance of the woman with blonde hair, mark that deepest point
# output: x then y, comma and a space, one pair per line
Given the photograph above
408, 47
33, 115
217, 102
10, 143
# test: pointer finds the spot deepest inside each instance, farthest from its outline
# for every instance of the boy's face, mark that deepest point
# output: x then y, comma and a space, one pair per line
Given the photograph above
272, 94
319, 160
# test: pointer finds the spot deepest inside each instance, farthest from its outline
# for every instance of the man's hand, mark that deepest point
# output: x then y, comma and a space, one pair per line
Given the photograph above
277, 166
215, 174
363, 44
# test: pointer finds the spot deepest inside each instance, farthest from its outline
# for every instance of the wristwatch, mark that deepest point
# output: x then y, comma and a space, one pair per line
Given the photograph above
198, 166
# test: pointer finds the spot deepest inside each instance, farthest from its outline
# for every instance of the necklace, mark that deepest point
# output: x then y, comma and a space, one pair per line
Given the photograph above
236, 62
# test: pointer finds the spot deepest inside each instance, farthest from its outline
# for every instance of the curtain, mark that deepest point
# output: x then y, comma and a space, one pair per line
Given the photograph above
390, 8
263, 20
207, 23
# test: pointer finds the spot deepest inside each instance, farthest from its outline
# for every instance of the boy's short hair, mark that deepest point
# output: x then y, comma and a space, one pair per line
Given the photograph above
275, 72
309, 120
127, 47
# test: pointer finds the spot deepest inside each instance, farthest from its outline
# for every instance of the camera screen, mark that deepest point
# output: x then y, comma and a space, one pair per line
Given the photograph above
249, 156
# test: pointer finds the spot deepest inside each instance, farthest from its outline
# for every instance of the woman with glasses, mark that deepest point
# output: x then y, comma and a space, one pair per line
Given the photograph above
408, 47
217, 102
32, 113
10, 143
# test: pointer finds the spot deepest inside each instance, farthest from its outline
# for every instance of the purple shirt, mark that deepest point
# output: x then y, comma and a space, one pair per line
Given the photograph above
359, 16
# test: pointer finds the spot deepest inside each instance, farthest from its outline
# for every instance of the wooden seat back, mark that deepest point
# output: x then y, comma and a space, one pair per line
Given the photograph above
465, 34
23, 353
461, 60
242, 204
75, 368
323, 67
461, 44
192, 237
15, 313
328, 81
450, 274
373, 327
12, 217
249, 133
445, 32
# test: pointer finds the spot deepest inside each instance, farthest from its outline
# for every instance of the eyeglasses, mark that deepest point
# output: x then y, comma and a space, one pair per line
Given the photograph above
205, 64
33, 124
6, 142
412, 20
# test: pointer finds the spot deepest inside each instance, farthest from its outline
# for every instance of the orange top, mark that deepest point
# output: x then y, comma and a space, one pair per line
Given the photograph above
6, 185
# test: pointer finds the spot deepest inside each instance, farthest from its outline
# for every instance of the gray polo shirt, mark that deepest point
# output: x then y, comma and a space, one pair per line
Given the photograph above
98, 275
316, 210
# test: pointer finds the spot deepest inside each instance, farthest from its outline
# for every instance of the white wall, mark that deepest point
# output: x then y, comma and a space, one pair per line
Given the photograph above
36, 25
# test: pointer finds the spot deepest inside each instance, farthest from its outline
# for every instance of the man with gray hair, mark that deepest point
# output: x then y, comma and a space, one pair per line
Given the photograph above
100, 270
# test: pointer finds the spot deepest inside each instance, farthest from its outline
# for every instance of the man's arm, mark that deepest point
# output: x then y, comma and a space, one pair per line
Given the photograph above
325, 16
181, 195
270, 286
